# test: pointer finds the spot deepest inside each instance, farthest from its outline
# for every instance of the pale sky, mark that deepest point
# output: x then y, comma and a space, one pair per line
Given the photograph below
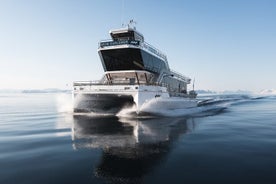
224, 45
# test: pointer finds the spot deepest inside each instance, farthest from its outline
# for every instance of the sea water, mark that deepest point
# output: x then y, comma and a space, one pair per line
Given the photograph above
227, 139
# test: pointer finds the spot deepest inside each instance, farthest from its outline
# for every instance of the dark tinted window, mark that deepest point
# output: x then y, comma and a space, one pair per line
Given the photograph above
122, 59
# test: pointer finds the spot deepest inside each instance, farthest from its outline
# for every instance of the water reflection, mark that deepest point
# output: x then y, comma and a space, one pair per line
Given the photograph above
131, 147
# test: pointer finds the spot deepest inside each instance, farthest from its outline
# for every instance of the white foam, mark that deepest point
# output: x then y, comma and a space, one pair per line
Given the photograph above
268, 92
127, 111
156, 108
186, 111
64, 103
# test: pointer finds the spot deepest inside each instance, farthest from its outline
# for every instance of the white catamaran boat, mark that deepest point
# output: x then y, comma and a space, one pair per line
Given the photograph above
136, 74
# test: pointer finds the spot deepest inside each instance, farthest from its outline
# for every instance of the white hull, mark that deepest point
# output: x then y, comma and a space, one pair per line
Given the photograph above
141, 97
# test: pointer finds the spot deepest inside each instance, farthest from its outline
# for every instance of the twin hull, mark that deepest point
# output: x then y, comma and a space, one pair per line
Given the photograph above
111, 99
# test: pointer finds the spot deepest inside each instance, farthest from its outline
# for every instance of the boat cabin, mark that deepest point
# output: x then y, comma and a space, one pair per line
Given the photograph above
130, 77
126, 34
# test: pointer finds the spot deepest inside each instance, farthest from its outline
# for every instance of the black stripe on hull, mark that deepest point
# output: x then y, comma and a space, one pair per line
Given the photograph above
101, 103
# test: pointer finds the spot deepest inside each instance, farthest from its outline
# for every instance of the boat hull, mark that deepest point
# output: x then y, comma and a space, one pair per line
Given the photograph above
101, 103
110, 99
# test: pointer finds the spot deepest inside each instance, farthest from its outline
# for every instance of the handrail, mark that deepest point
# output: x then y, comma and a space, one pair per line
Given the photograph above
117, 82
108, 83
154, 50
145, 45
181, 76
86, 83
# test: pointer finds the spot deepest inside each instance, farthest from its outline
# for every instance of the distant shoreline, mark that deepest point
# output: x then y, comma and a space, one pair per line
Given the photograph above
54, 90
35, 91
46, 91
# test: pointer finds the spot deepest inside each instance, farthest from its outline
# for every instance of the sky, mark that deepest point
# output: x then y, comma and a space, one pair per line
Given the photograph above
224, 45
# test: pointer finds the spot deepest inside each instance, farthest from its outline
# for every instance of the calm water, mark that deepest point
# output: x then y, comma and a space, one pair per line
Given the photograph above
42, 142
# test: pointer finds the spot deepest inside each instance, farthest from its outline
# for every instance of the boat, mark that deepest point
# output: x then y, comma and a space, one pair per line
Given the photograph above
136, 74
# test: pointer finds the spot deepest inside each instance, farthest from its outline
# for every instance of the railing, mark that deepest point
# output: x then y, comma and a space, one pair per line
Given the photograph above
145, 45
117, 82
154, 50
109, 83
178, 75
86, 83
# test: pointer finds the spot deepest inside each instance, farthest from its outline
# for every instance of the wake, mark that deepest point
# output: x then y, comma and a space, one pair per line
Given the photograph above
207, 106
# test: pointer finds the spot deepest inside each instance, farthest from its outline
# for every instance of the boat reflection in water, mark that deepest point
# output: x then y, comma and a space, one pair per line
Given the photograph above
131, 147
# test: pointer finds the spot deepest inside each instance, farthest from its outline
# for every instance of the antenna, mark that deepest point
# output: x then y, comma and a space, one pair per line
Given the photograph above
122, 13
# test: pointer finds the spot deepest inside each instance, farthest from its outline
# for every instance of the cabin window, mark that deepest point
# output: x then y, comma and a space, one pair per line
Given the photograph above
123, 36
122, 59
